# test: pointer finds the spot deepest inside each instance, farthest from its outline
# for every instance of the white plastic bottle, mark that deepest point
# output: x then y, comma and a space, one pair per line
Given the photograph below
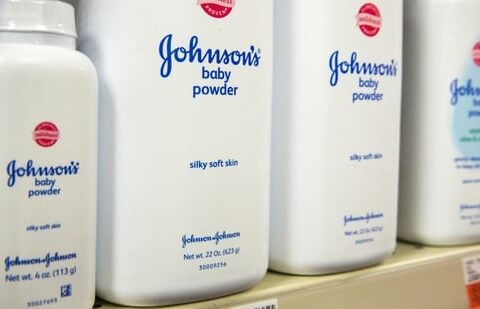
336, 123
48, 159
440, 165
185, 102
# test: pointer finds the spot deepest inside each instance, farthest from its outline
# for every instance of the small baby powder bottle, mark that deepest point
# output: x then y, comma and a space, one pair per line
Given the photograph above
440, 165
48, 159
336, 125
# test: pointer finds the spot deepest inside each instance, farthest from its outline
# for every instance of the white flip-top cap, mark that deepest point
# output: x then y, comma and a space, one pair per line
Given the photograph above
48, 16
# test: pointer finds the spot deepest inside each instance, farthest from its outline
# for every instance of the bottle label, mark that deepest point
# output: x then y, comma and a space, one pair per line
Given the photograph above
363, 228
465, 102
369, 74
465, 105
44, 179
58, 266
216, 76
211, 251
366, 84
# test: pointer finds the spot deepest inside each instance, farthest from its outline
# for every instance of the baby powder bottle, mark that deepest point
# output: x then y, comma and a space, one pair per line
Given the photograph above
336, 123
440, 165
48, 172
185, 103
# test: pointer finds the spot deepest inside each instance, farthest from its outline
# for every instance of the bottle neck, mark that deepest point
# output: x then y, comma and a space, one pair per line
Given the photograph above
38, 38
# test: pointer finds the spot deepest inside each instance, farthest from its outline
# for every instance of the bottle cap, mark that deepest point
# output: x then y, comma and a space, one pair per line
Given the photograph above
48, 16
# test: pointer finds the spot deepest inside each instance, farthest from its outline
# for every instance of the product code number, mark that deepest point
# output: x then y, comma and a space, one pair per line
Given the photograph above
212, 266
43, 302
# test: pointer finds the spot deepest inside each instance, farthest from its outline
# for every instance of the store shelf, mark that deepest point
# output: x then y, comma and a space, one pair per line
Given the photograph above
414, 277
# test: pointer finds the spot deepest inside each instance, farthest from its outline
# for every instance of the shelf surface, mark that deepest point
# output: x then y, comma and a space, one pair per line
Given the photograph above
413, 277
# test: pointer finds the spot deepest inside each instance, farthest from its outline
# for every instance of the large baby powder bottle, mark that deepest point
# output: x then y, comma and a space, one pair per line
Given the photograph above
48, 157
440, 166
185, 103
335, 134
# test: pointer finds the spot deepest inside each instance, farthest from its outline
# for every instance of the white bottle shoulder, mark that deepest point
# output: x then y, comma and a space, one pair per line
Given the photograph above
15, 56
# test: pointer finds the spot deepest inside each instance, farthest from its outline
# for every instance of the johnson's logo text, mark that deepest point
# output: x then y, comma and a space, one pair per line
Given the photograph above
16, 171
193, 53
353, 66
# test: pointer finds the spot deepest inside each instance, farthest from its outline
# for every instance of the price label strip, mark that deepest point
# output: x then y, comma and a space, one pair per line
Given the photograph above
471, 272
266, 304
